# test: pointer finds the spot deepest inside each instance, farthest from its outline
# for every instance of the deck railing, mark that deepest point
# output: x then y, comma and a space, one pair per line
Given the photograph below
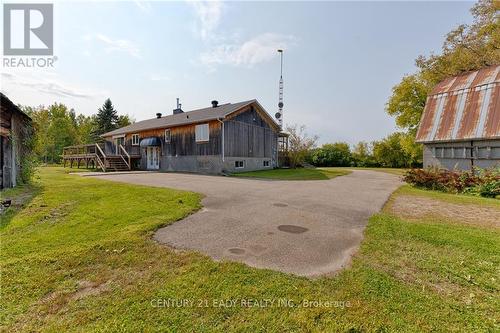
123, 151
99, 156
88, 153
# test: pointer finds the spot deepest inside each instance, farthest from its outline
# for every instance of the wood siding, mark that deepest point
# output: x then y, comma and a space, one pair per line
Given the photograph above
248, 135
15, 129
182, 141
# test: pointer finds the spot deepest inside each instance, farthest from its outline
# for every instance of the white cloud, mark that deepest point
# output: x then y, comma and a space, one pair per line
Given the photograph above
259, 49
122, 45
208, 15
46, 84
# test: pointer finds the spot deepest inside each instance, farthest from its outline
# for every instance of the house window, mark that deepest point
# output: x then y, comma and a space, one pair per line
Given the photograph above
266, 163
202, 133
167, 135
135, 139
239, 164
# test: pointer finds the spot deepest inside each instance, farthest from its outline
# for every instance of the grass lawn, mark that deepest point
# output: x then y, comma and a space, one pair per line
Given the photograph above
78, 257
294, 174
394, 171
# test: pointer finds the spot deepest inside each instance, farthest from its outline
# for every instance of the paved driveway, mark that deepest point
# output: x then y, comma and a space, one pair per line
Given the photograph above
306, 228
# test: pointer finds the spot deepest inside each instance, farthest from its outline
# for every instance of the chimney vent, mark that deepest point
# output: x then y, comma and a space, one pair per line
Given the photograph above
158, 115
178, 109
214, 103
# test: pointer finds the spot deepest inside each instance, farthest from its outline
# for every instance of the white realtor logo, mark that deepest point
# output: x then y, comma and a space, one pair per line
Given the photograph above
28, 29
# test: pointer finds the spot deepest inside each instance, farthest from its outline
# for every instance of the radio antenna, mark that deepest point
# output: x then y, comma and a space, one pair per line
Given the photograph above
279, 114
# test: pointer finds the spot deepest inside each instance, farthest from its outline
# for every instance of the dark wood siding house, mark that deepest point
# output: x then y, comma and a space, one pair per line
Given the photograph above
460, 125
230, 137
15, 129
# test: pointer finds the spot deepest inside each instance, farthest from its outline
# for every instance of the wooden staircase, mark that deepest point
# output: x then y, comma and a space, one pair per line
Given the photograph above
116, 163
94, 156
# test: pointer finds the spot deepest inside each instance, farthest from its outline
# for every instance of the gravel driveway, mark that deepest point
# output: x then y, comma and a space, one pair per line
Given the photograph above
306, 228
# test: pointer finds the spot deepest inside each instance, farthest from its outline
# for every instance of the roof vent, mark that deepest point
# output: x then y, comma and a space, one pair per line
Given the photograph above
214, 103
158, 115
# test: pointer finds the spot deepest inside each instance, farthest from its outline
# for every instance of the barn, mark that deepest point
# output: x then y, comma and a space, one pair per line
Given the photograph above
460, 125
231, 137
15, 130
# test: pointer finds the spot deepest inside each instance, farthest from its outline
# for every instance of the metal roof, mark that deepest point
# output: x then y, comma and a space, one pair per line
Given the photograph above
151, 141
188, 117
463, 107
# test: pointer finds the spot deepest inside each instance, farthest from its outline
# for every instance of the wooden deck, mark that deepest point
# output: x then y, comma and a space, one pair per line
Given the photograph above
93, 156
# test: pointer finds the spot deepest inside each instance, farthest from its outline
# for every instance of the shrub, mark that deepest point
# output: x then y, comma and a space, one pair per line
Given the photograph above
485, 183
332, 155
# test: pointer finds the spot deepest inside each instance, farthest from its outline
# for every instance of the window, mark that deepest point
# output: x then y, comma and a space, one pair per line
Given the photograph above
239, 164
135, 139
202, 133
266, 163
167, 135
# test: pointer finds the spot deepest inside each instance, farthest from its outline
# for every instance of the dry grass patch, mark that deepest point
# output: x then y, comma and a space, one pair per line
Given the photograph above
418, 207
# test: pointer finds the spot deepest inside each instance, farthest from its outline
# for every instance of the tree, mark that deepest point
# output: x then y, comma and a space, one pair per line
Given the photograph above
408, 101
468, 47
106, 119
413, 150
332, 154
389, 153
362, 155
85, 127
61, 131
299, 144
124, 120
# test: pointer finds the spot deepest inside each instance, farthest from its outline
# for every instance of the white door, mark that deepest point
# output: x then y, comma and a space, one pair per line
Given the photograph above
118, 142
153, 157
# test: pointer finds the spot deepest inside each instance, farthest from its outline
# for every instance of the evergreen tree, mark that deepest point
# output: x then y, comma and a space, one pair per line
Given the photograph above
106, 120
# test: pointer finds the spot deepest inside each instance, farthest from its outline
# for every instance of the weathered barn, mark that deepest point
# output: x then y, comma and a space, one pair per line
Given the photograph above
460, 125
230, 137
15, 130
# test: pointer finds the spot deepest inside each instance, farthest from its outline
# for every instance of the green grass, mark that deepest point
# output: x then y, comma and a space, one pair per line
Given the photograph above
79, 232
394, 171
294, 174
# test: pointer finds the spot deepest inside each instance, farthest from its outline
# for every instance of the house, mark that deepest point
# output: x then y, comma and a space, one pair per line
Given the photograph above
15, 130
222, 138
460, 125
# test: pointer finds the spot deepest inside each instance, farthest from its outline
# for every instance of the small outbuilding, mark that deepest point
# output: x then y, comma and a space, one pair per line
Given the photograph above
15, 130
460, 125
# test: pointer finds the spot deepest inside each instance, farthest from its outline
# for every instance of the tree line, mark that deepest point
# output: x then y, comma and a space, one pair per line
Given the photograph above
390, 152
58, 126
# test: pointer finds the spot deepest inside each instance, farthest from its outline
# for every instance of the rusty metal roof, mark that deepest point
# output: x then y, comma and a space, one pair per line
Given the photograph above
463, 107
189, 117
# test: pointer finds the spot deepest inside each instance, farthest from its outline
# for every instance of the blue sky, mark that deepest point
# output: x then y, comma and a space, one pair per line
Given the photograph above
341, 58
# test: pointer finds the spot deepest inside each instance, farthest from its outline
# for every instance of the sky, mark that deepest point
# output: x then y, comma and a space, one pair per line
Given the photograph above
341, 59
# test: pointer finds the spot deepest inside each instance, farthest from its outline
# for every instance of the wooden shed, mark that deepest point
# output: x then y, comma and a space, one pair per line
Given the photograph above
460, 125
14, 131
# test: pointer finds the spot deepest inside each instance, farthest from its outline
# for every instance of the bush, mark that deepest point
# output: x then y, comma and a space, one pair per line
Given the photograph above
332, 155
484, 183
